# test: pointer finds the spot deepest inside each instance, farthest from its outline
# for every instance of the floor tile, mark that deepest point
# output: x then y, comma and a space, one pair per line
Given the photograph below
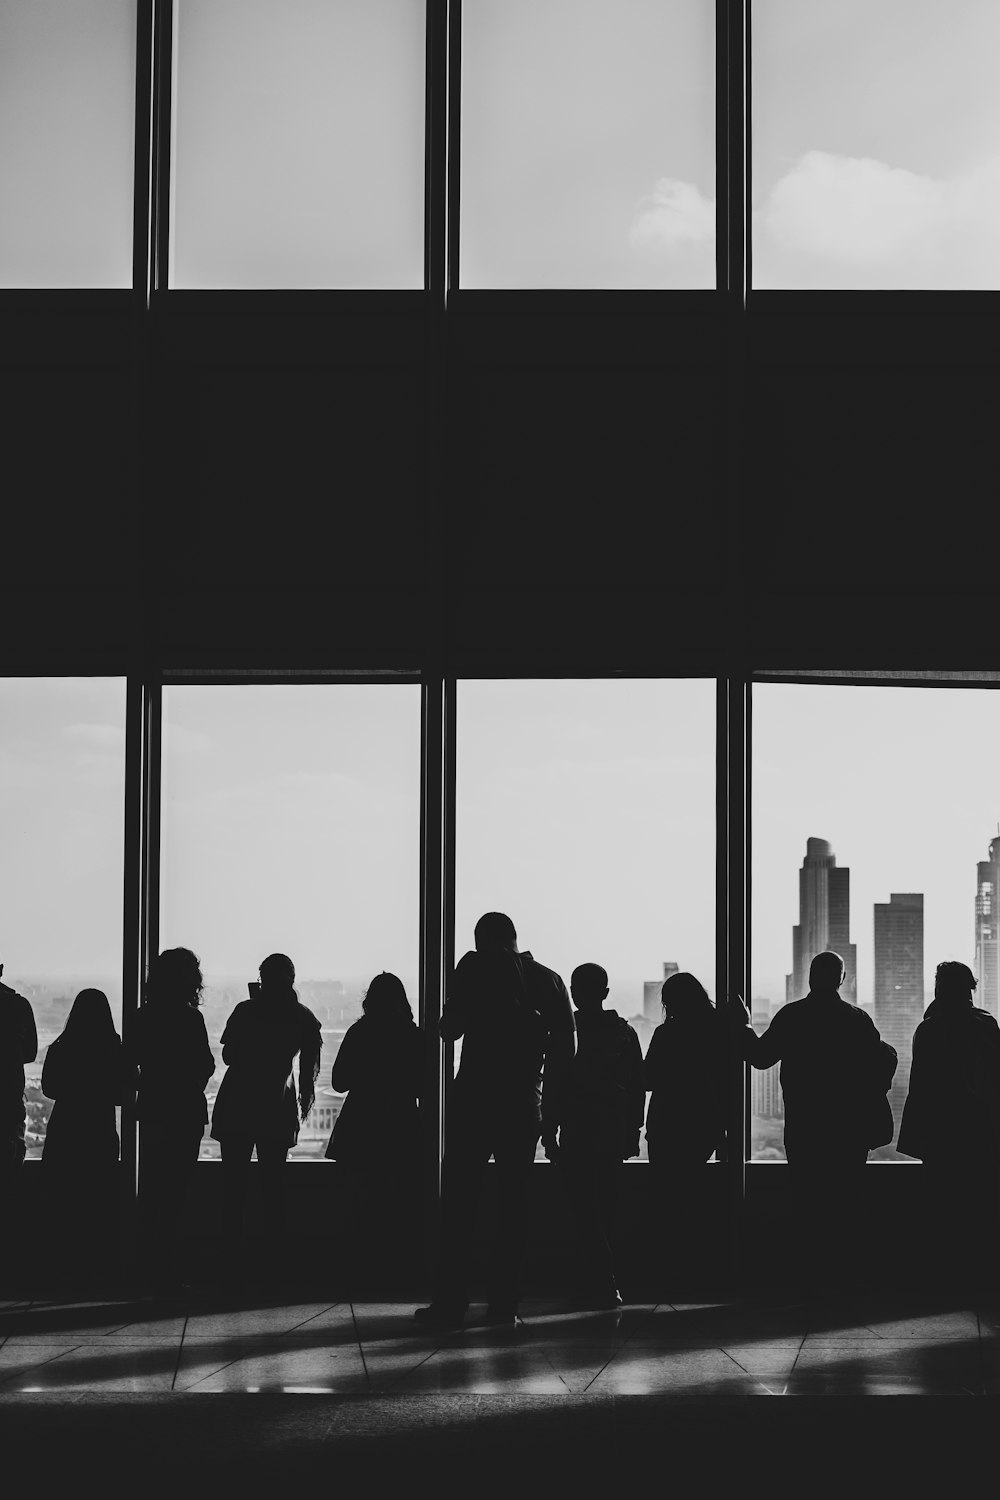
634, 1371
272, 1368
887, 1367
499, 1371
96, 1367
267, 1321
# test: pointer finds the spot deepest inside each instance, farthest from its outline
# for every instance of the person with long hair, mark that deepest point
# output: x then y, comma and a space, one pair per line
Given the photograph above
83, 1073
951, 1122
168, 1043
684, 1120
376, 1138
256, 1106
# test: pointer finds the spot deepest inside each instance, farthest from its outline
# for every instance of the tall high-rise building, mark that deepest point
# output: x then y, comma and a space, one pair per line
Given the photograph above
987, 921
824, 920
651, 993
899, 982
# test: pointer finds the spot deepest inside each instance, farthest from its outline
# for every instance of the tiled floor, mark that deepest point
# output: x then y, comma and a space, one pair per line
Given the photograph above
749, 1347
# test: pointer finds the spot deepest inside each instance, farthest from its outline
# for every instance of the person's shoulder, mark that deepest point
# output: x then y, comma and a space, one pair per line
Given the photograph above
533, 968
307, 1016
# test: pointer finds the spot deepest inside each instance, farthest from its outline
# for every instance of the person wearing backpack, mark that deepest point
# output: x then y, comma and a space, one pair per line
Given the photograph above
602, 1116
516, 1024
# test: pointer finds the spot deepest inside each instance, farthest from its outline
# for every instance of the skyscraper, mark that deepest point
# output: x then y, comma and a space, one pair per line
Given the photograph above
987, 915
824, 920
651, 993
899, 982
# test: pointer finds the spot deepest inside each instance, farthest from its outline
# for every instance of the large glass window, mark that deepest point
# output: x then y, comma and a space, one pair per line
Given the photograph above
298, 144
585, 810
876, 162
875, 816
291, 824
67, 118
62, 805
588, 143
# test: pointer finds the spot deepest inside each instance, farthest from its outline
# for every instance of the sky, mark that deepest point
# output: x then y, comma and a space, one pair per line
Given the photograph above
67, 127
905, 785
588, 143
298, 144
876, 144
62, 769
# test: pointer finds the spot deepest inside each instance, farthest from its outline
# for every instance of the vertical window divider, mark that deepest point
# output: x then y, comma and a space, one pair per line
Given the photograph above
437, 925
163, 31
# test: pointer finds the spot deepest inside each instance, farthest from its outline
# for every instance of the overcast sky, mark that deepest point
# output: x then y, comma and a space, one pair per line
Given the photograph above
876, 144
903, 782
67, 131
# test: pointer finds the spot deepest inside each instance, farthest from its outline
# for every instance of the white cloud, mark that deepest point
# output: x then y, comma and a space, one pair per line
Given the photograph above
675, 213
862, 211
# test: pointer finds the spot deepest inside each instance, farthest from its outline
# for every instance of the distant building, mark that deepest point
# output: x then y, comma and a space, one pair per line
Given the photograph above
987, 920
651, 993
824, 920
899, 982
766, 1099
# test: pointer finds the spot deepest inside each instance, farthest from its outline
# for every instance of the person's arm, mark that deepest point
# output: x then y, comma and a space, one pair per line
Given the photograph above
206, 1055
636, 1093
312, 1046
342, 1076
760, 1051
560, 1049
454, 1014
27, 1036
231, 1038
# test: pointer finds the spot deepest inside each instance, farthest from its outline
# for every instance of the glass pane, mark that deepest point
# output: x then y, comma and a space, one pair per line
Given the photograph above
298, 144
874, 814
291, 824
67, 121
586, 812
875, 157
62, 809
588, 143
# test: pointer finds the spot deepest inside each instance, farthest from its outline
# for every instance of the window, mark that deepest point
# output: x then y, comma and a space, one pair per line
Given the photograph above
585, 810
62, 804
875, 819
875, 163
588, 143
298, 144
291, 825
67, 122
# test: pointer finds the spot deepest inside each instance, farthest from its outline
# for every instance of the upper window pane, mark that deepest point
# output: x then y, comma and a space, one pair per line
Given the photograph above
62, 811
298, 144
875, 834
291, 824
876, 162
67, 119
588, 143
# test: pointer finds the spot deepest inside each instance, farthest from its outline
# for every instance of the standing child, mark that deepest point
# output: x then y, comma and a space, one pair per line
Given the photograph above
600, 1128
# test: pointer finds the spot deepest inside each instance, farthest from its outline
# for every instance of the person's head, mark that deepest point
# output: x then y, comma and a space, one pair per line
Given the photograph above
277, 976
385, 999
589, 987
685, 998
175, 978
90, 1017
826, 973
495, 933
954, 982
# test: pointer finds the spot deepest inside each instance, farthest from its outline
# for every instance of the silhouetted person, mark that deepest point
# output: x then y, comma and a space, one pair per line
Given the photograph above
376, 1139
685, 1121
256, 1103
951, 1121
18, 1045
168, 1043
605, 1100
516, 1022
835, 1070
83, 1073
